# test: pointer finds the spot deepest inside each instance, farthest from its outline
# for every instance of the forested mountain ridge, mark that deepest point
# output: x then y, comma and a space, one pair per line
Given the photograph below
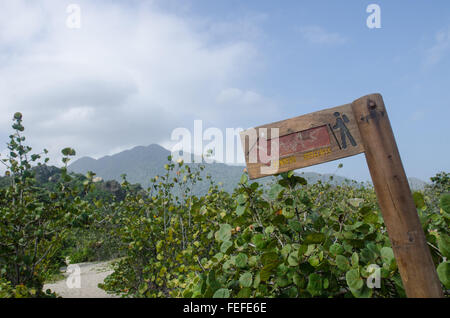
47, 177
141, 163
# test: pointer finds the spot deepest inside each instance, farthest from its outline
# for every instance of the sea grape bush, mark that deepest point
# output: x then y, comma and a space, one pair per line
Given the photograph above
285, 239
166, 236
300, 241
289, 240
33, 221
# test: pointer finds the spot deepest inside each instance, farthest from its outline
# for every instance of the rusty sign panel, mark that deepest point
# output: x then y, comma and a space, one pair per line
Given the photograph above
301, 141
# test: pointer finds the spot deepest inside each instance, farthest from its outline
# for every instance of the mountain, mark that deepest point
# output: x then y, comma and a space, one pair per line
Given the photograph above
140, 164
416, 184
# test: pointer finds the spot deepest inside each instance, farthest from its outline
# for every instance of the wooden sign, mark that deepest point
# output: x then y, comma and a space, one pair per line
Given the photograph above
302, 141
362, 126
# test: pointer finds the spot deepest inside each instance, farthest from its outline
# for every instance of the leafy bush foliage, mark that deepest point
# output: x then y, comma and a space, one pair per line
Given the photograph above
285, 239
33, 221
291, 240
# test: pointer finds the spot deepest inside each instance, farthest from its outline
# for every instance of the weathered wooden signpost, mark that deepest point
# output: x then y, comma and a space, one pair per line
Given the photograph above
362, 126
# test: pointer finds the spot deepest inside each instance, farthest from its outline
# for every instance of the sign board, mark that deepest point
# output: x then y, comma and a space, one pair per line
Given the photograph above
347, 130
301, 141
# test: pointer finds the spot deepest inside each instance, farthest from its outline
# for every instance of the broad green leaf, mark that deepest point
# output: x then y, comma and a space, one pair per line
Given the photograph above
444, 245
314, 284
286, 250
296, 226
241, 260
244, 293
269, 257
267, 270
445, 202
314, 238
253, 261
373, 248
419, 200
371, 218
355, 260
356, 202
365, 209
269, 229
342, 262
387, 255
364, 292
314, 261
298, 280
367, 255
241, 199
258, 240
293, 259
282, 281
275, 191
336, 249
240, 209
246, 279
227, 265
443, 271
222, 293
354, 280
225, 246
257, 280
288, 212
224, 233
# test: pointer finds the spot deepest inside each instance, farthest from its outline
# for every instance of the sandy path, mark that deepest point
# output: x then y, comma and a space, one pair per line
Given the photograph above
91, 274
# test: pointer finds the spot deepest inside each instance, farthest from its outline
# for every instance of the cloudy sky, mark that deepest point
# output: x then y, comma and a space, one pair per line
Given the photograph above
136, 70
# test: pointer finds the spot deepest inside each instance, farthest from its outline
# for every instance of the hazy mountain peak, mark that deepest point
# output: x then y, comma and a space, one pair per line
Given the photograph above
86, 159
142, 163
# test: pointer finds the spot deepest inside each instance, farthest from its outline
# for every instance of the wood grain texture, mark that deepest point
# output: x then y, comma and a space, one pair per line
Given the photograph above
310, 156
394, 196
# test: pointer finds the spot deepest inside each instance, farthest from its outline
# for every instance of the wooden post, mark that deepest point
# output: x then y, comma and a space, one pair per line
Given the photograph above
394, 196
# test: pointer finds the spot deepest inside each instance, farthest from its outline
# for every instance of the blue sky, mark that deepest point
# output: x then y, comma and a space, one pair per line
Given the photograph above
393, 60
154, 66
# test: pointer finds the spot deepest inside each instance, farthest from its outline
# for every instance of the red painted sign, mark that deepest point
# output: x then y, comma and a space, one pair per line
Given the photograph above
297, 142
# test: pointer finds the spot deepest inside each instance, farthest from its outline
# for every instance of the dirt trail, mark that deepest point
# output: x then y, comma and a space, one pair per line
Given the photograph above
91, 274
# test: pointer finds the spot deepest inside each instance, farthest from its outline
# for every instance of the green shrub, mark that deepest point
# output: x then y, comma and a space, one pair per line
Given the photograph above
33, 221
291, 240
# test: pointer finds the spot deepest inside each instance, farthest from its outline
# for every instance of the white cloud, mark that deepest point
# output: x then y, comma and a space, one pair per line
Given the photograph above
239, 97
245, 104
128, 77
23, 25
440, 48
243, 28
318, 35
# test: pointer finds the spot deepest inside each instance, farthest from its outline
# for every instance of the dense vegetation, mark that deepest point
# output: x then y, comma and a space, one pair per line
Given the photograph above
287, 239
